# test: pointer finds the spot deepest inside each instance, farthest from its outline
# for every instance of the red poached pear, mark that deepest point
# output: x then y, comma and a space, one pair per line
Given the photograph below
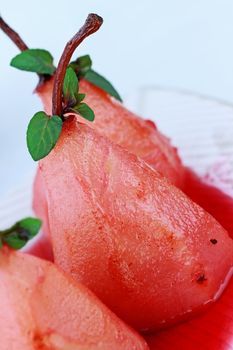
42, 308
129, 235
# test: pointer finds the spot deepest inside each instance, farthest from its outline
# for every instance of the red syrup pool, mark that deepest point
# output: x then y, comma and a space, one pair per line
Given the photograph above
211, 198
213, 329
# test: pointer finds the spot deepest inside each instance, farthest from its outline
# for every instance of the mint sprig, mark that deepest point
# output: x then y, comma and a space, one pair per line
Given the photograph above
34, 60
44, 130
83, 69
41, 61
20, 233
72, 99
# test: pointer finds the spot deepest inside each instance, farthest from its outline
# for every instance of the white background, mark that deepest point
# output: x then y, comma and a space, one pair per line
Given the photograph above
175, 43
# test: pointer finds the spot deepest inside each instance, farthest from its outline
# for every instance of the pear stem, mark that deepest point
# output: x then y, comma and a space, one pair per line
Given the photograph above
92, 24
17, 40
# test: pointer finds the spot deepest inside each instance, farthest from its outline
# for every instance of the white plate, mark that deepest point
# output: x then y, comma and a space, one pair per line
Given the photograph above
201, 128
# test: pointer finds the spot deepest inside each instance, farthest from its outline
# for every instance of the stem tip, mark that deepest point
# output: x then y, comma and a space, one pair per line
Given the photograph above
91, 25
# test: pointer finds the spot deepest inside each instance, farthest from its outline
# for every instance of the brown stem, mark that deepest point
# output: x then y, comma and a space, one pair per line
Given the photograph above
92, 24
12, 35
18, 41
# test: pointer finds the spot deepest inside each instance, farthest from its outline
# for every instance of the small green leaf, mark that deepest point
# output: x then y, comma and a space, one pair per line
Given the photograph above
34, 60
42, 134
19, 234
70, 87
14, 241
84, 62
104, 84
80, 98
82, 65
85, 111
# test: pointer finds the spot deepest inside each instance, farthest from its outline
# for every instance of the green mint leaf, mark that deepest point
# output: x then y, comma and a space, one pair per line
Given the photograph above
85, 111
42, 134
19, 234
99, 81
82, 65
70, 87
14, 241
34, 60
80, 98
